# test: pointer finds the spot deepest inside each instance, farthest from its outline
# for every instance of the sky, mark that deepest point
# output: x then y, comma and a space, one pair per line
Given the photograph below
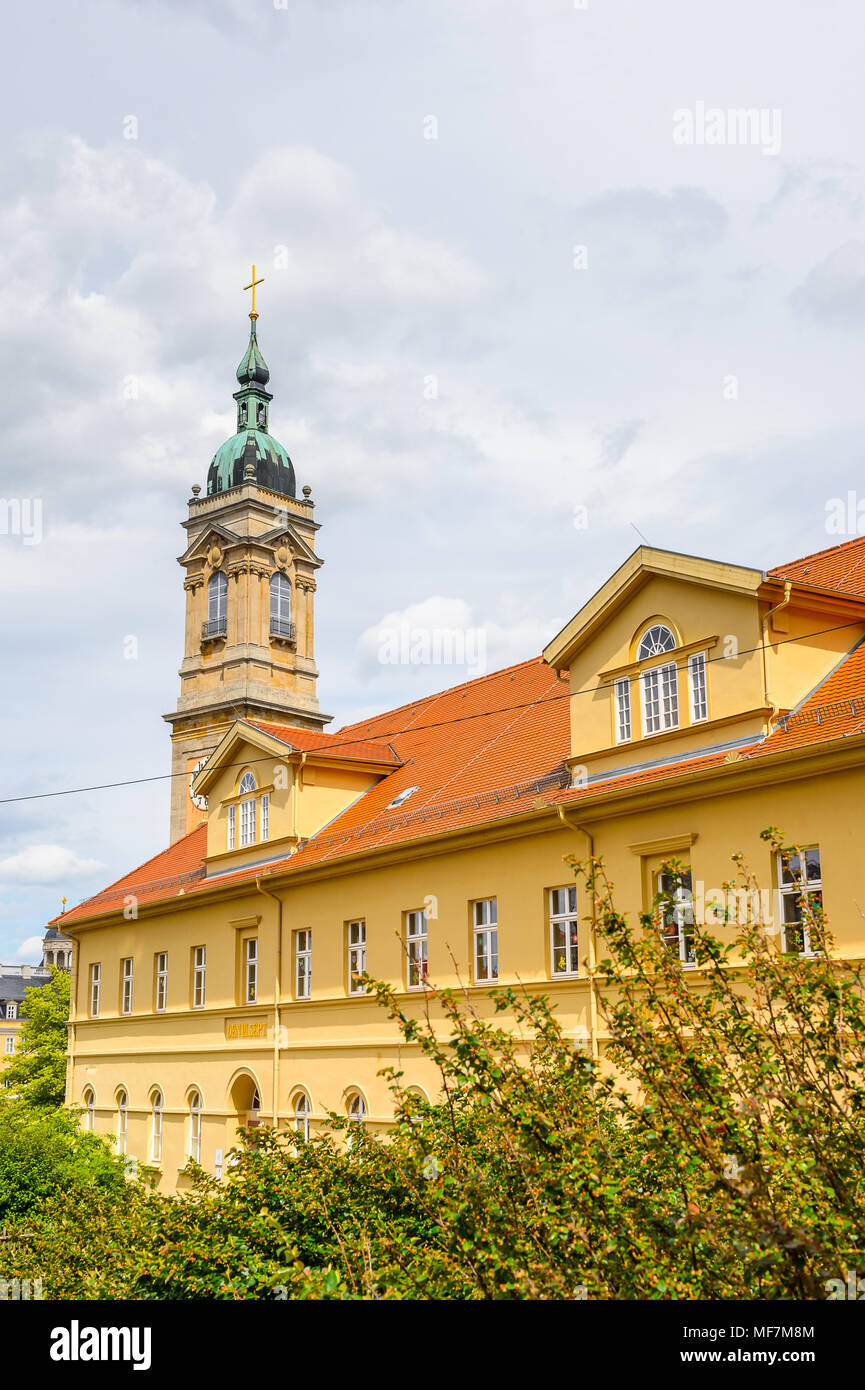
533, 293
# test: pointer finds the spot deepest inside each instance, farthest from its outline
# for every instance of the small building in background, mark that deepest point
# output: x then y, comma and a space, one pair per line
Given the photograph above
15, 980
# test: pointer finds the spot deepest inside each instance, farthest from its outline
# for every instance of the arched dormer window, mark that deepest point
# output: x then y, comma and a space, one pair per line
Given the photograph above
11, 1010
657, 640
246, 812
217, 605
280, 606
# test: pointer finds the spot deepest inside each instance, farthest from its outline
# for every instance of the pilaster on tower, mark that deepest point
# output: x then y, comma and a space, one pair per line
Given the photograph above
250, 585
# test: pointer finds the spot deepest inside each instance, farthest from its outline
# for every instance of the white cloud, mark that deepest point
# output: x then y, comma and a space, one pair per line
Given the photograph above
31, 949
43, 864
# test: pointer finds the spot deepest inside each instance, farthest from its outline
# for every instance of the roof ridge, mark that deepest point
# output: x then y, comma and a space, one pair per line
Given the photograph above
438, 694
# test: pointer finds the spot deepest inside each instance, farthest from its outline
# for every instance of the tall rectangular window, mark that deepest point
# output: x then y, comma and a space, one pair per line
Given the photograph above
564, 931
660, 698
250, 969
416, 949
677, 915
265, 815
247, 822
356, 956
10, 1043
199, 966
232, 824
95, 989
161, 991
697, 687
622, 696
302, 964
486, 939
126, 986
800, 879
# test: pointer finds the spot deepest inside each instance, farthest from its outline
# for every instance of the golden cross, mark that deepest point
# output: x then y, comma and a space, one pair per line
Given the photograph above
253, 315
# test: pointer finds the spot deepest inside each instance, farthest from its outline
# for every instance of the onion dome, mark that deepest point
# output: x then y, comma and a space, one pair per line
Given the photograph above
251, 444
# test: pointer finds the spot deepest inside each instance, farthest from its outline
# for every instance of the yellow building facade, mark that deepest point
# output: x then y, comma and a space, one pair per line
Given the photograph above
687, 706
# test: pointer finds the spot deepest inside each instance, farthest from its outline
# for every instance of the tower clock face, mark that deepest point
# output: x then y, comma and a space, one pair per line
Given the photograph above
199, 802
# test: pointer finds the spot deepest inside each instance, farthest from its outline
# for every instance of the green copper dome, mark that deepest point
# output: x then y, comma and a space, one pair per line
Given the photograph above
251, 444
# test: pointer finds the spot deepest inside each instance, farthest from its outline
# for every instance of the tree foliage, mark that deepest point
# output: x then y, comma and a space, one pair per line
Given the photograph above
37, 1071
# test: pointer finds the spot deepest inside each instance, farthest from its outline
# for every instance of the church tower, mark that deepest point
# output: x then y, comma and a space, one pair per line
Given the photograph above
250, 586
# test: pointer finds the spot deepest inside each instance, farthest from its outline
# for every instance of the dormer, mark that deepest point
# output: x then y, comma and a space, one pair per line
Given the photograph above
644, 661
677, 655
266, 788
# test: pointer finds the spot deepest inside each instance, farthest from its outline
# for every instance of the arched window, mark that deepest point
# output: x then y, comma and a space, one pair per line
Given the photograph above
357, 1109
89, 1110
657, 640
280, 606
156, 1128
254, 1119
247, 810
195, 1127
217, 605
122, 1121
301, 1116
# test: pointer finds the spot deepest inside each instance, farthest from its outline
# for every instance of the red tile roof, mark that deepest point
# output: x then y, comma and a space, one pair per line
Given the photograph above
840, 567
487, 750
330, 745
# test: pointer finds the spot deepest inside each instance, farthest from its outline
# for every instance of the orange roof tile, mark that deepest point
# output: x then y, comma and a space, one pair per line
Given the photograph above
329, 745
840, 567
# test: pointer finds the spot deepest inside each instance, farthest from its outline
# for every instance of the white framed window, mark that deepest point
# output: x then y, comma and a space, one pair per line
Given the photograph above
356, 955
564, 931
697, 689
195, 1127
156, 1129
280, 606
654, 642
231, 838
11, 1010
95, 989
161, 993
217, 605
486, 939
122, 1121
357, 1109
10, 1043
126, 985
265, 815
247, 822
416, 949
250, 969
302, 964
89, 1111
660, 698
800, 880
677, 915
199, 969
622, 701
302, 1108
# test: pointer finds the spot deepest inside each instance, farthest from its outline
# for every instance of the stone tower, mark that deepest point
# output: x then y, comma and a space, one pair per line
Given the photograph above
250, 594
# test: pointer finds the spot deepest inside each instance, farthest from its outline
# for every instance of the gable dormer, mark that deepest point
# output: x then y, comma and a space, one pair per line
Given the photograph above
678, 655
267, 788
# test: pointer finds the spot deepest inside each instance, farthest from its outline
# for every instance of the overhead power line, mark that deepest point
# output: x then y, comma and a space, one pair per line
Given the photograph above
417, 728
